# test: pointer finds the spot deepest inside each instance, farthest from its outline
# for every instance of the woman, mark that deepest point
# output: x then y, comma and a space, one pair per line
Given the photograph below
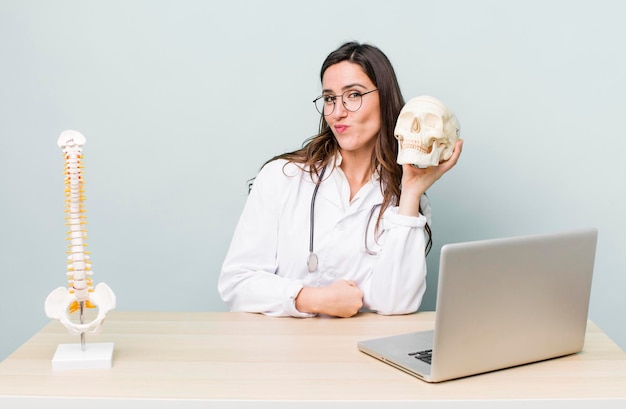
337, 226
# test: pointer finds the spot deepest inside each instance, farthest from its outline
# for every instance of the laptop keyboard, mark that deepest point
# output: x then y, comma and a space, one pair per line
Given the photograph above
425, 356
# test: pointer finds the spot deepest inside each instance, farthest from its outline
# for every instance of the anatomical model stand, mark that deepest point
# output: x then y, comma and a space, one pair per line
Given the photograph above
80, 294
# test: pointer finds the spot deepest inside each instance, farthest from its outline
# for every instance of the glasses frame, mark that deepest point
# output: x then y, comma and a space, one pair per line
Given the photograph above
343, 101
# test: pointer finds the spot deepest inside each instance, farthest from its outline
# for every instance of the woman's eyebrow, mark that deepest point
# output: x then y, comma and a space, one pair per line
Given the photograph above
345, 88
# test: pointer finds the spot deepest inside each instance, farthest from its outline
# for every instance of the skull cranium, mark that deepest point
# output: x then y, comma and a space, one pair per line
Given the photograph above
426, 131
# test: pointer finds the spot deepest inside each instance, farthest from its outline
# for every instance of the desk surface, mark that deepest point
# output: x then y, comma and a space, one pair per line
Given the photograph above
238, 357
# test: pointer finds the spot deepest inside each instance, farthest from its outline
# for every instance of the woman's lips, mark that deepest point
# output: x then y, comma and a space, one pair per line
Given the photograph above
340, 128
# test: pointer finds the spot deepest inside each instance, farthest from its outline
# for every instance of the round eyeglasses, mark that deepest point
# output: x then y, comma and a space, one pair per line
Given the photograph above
351, 100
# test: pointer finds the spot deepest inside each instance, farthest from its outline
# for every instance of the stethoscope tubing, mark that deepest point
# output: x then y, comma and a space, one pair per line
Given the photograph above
312, 260
369, 220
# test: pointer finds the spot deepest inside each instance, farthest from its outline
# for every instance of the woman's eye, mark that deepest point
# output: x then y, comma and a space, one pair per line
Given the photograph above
353, 94
329, 99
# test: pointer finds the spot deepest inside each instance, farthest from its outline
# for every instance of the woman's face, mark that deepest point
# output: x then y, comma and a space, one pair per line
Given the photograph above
356, 132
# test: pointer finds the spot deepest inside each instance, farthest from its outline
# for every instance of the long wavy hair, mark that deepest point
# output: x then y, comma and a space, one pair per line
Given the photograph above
318, 150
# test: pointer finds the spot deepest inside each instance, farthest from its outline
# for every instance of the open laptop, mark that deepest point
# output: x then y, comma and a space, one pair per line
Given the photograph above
500, 303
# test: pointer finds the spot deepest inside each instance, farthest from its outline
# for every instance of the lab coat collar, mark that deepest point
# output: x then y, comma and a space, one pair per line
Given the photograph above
334, 178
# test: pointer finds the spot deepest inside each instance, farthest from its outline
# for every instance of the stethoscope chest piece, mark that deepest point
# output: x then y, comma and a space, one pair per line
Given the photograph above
311, 262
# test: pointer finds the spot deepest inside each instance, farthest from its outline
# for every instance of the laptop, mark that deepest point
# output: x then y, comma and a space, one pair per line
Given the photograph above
500, 303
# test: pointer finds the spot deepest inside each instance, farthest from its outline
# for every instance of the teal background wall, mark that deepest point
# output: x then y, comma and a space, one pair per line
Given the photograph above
182, 101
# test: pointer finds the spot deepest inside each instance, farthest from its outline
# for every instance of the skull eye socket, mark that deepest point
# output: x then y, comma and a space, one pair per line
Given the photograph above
433, 121
415, 126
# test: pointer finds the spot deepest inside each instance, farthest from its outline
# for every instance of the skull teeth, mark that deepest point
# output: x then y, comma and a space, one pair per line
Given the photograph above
415, 145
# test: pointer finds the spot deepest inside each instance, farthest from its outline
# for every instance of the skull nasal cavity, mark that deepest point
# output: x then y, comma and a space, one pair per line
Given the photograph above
415, 127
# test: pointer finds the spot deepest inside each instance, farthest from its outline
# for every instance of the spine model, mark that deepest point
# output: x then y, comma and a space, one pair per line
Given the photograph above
78, 265
80, 293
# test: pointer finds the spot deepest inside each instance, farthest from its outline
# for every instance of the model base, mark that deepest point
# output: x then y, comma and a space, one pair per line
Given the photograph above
71, 356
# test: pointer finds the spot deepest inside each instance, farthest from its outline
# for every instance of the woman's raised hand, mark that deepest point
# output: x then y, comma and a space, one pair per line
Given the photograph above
416, 181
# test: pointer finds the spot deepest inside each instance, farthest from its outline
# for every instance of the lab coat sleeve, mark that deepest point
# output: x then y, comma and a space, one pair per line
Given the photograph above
248, 280
398, 280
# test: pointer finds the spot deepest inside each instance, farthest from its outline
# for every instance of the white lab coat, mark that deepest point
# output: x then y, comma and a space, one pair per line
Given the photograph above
266, 265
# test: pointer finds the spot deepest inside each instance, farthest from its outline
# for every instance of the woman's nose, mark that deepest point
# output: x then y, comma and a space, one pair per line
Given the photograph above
340, 110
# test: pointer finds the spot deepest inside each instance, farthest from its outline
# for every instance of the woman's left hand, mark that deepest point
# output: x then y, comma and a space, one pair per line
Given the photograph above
416, 181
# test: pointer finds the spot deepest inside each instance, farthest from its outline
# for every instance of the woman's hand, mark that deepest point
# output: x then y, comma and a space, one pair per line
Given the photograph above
416, 181
340, 299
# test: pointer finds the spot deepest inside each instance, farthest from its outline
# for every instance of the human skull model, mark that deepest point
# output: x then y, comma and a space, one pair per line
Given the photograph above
426, 131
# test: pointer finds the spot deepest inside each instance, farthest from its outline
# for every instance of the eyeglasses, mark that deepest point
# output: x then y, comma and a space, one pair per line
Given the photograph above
351, 99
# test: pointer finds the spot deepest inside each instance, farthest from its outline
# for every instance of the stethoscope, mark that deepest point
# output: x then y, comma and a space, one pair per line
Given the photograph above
312, 260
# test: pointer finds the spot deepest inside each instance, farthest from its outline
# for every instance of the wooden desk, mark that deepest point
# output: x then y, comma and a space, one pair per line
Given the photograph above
202, 360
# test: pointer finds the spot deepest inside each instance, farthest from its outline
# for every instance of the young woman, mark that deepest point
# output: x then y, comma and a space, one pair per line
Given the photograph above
337, 226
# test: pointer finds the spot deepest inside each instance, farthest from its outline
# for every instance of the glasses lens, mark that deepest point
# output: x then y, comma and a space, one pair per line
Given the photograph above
319, 105
325, 105
351, 100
